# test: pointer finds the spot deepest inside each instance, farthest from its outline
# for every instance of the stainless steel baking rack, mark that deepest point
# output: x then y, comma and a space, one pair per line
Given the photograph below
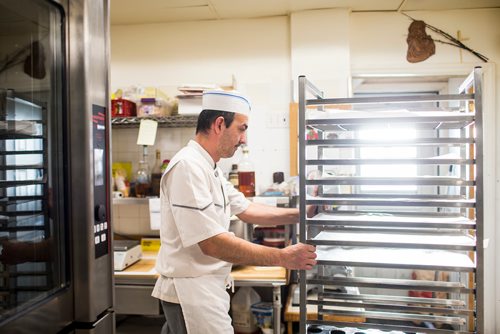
413, 241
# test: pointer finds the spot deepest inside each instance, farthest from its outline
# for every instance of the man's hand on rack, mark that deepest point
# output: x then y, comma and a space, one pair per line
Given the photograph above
299, 256
312, 210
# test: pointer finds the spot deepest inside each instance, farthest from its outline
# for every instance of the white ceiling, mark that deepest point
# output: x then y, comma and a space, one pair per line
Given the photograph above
155, 11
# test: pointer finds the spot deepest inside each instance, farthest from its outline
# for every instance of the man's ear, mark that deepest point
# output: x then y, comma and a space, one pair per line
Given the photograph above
219, 124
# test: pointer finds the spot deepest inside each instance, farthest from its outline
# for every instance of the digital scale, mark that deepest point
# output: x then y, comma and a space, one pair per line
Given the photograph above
126, 253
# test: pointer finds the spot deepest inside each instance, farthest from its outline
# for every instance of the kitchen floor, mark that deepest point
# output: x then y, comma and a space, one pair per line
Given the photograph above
139, 324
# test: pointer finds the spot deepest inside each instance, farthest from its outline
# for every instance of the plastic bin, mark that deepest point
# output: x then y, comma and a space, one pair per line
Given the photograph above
123, 108
153, 107
263, 313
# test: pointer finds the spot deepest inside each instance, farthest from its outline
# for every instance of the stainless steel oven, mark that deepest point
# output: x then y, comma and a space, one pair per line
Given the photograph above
55, 234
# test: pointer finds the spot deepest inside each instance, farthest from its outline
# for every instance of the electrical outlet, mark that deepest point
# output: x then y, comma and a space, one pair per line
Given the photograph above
283, 120
277, 119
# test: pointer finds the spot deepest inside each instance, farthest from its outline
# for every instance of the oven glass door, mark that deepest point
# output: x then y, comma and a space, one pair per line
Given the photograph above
33, 164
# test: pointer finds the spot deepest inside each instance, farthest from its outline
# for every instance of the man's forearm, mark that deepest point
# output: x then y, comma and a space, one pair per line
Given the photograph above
229, 248
263, 214
269, 215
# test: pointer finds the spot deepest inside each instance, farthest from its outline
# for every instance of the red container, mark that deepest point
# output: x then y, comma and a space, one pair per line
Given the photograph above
123, 108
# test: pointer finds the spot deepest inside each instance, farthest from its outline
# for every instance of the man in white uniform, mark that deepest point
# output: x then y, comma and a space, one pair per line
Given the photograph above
197, 251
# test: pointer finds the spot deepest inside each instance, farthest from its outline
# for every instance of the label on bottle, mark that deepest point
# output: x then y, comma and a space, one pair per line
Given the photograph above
233, 178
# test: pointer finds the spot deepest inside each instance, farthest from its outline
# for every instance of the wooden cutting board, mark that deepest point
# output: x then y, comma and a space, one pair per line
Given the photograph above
258, 273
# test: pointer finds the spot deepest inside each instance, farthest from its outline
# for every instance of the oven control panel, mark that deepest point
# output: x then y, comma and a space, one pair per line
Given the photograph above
101, 182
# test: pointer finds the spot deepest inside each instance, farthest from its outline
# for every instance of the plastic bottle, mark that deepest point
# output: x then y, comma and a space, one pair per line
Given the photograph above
233, 176
156, 175
246, 174
243, 319
142, 180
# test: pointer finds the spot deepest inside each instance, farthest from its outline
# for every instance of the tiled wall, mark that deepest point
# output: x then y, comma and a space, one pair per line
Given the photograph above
168, 141
131, 218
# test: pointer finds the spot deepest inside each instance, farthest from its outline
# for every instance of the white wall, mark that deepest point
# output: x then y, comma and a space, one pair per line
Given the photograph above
256, 52
320, 49
378, 40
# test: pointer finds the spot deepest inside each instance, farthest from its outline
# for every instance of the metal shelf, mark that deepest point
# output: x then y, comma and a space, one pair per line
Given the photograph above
392, 99
386, 305
422, 161
394, 240
175, 121
391, 220
16, 167
326, 327
7, 184
19, 213
396, 284
376, 257
35, 219
450, 121
391, 143
398, 316
20, 199
418, 180
401, 300
380, 227
16, 229
31, 138
11, 135
20, 129
21, 152
402, 201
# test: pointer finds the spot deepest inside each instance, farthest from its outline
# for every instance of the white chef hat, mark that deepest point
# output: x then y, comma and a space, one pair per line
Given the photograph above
231, 101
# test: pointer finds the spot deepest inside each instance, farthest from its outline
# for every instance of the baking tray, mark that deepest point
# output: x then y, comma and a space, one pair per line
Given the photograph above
377, 239
391, 283
376, 257
392, 220
416, 180
402, 201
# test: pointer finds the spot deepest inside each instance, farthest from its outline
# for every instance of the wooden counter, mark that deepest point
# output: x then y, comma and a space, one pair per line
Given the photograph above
140, 272
260, 276
138, 280
144, 269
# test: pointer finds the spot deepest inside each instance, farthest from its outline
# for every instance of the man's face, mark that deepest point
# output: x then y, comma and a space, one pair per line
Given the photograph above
233, 136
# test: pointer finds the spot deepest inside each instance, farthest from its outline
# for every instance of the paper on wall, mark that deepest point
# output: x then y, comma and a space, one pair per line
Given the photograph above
147, 132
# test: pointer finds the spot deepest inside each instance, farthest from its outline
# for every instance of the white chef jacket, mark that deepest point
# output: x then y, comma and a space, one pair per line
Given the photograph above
196, 204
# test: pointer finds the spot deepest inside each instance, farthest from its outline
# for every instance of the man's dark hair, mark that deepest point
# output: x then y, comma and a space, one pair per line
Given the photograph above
208, 116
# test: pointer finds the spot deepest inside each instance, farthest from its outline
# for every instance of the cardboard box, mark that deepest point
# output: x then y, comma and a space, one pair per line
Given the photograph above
189, 105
